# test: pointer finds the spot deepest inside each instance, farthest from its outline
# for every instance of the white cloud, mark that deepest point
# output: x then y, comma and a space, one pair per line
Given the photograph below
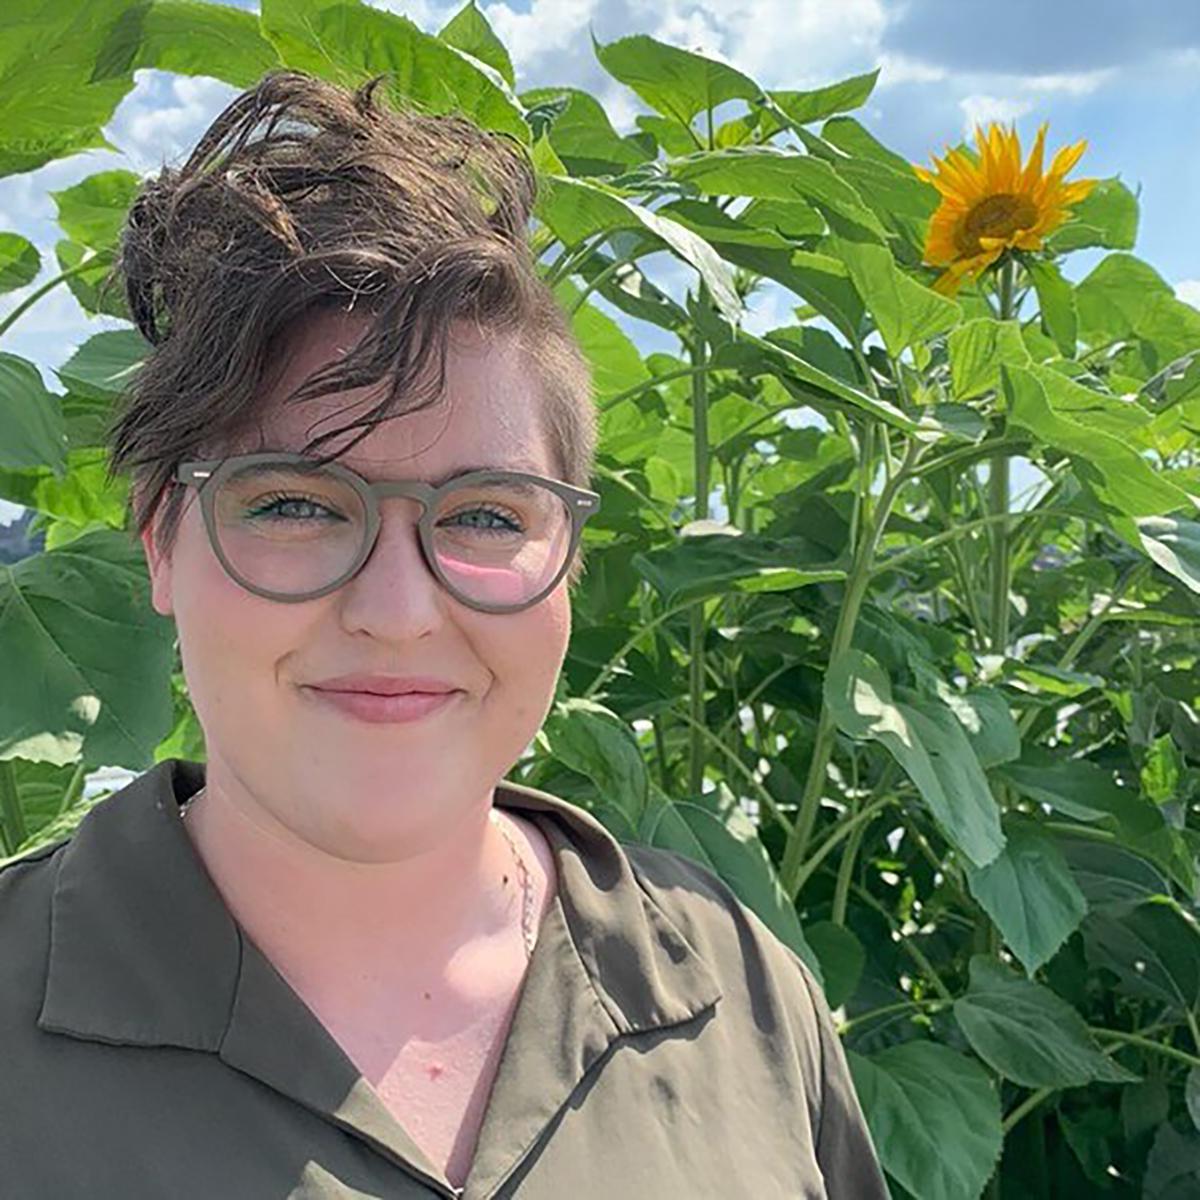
548, 26
979, 109
164, 116
1083, 83
1188, 290
896, 68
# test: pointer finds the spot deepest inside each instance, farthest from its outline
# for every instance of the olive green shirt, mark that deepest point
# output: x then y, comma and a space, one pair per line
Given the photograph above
664, 1043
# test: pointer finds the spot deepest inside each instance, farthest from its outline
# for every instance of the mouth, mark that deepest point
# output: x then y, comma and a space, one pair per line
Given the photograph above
380, 709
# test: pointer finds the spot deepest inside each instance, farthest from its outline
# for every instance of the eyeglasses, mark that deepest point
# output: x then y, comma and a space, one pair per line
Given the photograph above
290, 529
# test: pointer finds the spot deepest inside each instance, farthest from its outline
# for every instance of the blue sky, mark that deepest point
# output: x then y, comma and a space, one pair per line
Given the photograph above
1125, 76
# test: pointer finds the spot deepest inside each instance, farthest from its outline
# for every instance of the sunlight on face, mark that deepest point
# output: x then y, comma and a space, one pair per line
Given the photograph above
343, 783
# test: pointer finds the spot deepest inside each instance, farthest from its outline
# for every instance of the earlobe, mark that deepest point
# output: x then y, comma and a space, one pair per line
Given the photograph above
159, 567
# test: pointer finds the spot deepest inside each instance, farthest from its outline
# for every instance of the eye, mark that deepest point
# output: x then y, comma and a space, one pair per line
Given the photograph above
292, 508
495, 519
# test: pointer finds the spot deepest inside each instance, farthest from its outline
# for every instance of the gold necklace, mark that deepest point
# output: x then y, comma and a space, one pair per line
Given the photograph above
529, 934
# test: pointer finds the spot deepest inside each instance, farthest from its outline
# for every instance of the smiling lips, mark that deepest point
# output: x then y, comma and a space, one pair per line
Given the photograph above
385, 699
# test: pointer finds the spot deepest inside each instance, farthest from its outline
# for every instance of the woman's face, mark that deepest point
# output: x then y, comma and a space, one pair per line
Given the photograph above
346, 785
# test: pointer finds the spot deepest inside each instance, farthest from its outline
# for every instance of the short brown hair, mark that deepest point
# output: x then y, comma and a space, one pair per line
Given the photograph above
416, 219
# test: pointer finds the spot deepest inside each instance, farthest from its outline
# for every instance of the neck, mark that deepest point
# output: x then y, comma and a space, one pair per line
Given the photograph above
428, 918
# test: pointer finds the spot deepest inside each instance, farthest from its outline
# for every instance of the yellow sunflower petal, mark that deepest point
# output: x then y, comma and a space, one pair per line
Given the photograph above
1033, 168
1067, 157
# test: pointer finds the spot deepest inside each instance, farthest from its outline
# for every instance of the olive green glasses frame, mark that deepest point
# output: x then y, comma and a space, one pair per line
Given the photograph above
208, 475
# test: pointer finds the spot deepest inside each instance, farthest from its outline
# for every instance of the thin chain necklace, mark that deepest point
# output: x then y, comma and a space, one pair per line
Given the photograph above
528, 931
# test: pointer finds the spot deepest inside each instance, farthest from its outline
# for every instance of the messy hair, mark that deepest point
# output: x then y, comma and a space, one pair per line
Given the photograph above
414, 220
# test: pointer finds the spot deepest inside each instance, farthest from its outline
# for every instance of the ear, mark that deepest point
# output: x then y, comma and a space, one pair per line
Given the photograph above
159, 566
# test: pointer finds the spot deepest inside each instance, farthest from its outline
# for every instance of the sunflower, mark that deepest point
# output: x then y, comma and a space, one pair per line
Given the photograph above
991, 204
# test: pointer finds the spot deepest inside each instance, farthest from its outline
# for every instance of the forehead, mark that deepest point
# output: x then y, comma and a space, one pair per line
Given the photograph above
489, 411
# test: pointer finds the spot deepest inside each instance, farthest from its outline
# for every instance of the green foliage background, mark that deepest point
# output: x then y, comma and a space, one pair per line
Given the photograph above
968, 724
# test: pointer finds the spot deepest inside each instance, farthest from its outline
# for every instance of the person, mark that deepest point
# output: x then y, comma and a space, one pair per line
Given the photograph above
343, 955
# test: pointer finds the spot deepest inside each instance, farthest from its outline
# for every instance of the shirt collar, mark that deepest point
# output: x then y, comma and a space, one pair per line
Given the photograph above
144, 950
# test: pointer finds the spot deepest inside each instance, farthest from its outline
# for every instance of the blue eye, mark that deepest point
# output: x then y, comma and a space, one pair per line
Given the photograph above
293, 508
507, 526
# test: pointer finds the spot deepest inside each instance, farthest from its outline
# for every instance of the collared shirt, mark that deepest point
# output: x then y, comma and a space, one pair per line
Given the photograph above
664, 1042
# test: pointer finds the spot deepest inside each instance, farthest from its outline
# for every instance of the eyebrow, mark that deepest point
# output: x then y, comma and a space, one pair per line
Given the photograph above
521, 464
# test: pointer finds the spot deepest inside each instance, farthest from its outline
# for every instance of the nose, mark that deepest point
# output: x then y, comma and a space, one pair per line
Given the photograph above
395, 596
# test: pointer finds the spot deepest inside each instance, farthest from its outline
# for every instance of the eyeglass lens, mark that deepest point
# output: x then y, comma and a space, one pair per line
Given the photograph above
294, 530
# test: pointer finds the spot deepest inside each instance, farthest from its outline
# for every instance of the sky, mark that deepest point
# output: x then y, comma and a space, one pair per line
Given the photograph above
1124, 76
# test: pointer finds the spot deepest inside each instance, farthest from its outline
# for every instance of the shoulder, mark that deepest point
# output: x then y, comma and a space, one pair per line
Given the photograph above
755, 967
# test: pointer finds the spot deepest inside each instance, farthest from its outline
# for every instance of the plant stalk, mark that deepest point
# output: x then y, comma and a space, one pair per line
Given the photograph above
697, 629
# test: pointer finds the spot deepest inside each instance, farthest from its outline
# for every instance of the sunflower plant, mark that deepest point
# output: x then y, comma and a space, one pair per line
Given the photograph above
890, 612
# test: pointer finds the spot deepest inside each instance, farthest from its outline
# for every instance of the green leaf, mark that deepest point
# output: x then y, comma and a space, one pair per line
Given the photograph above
842, 959
1030, 894
708, 563
594, 741
977, 349
580, 132
1028, 1034
1124, 297
104, 365
78, 620
1154, 950
849, 136
729, 845
1111, 878
1056, 304
92, 211
83, 496
19, 262
1162, 770
469, 30
574, 209
927, 740
32, 433
1107, 216
768, 173
1116, 471
1174, 544
674, 82
988, 723
62, 74
905, 311
1192, 1095
349, 42
194, 38
96, 290
802, 108
934, 1118
1094, 409
1173, 1166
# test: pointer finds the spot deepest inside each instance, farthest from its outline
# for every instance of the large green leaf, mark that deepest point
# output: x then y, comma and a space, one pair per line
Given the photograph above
1110, 877
575, 209
78, 621
19, 261
469, 30
32, 433
1028, 1034
771, 174
92, 211
1174, 544
105, 364
842, 959
594, 741
934, 1118
716, 563
348, 42
1056, 304
1173, 1166
977, 350
802, 108
64, 68
728, 844
1124, 297
928, 741
1107, 216
674, 82
905, 312
1115, 470
194, 38
1153, 949
580, 132
1029, 893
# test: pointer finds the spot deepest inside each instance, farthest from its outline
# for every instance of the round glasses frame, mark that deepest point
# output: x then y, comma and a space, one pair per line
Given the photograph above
208, 475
